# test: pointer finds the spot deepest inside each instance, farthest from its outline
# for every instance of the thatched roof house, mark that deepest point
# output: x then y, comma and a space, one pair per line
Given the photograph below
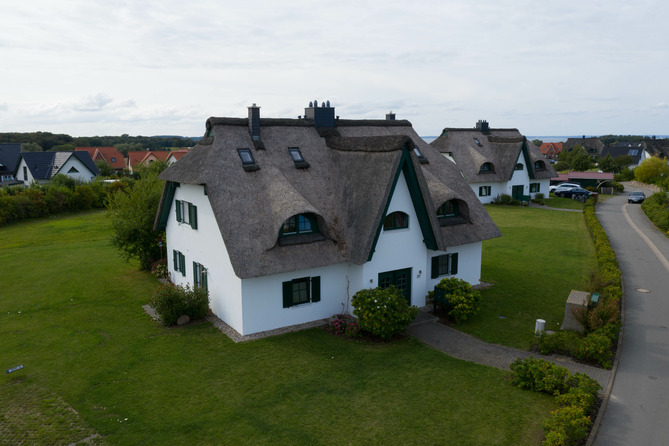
254, 181
496, 161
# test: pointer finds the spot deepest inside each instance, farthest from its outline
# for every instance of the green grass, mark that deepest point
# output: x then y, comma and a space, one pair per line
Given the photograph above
542, 255
95, 363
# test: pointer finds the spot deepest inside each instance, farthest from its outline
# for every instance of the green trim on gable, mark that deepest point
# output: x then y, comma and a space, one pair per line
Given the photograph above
528, 161
167, 204
406, 166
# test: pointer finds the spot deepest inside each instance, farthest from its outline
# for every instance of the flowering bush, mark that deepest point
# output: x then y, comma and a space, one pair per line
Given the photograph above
345, 324
383, 312
159, 269
457, 297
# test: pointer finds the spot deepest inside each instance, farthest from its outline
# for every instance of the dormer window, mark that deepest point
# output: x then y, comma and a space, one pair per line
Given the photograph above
539, 165
297, 157
449, 209
300, 228
421, 158
486, 168
248, 162
299, 224
453, 212
396, 220
519, 166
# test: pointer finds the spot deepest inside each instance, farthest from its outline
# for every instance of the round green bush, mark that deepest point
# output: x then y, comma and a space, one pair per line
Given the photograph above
383, 312
458, 298
171, 302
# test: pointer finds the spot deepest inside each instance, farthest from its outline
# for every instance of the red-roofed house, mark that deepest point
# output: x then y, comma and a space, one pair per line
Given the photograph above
551, 149
146, 157
175, 155
109, 155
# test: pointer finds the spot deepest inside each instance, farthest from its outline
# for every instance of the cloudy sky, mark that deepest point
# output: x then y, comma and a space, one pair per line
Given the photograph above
145, 67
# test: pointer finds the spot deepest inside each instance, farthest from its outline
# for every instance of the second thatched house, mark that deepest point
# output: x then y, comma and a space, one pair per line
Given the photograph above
496, 161
283, 220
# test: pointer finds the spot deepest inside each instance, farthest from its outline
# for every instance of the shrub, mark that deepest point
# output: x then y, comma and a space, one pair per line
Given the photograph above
457, 297
173, 302
562, 342
539, 198
596, 346
540, 376
159, 269
566, 425
655, 208
383, 312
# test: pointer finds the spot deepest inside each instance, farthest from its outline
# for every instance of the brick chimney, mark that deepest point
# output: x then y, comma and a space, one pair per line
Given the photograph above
323, 116
254, 122
482, 126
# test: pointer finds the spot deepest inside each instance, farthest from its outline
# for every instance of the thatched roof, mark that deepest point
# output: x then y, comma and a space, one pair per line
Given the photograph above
471, 148
347, 184
657, 147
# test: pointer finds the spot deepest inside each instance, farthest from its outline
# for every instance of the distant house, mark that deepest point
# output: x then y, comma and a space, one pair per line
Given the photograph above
551, 149
175, 155
592, 145
635, 151
656, 147
41, 167
10, 155
585, 179
496, 161
146, 157
109, 155
283, 220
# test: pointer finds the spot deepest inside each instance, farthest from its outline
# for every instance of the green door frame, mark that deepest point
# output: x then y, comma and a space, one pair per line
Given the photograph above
401, 278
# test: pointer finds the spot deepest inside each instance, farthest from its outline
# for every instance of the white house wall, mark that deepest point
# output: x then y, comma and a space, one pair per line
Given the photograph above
205, 245
496, 189
263, 299
28, 178
518, 178
83, 173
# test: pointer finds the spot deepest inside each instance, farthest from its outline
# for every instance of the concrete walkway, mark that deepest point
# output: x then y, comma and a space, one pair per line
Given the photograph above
460, 345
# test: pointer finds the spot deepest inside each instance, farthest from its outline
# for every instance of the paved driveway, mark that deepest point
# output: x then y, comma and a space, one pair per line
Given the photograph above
638, 408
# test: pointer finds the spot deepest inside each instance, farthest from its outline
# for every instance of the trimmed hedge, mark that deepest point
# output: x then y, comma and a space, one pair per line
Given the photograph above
655, 207
576, 395
602, 321
61, 194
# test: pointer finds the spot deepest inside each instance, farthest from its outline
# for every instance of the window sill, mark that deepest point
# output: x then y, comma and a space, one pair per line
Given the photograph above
300, 239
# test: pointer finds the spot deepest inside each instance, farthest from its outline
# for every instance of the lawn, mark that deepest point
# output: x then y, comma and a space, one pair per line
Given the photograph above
542, 255
96, 364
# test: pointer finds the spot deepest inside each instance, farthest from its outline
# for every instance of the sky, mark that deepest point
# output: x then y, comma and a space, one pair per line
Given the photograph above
145, 67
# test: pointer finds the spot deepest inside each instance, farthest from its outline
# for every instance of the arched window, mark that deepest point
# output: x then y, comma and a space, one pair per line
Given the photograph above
299, 224
486, 167
396, 220
449, 209
539, 165
519, 166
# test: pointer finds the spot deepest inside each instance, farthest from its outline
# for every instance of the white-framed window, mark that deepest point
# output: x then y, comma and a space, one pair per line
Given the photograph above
301, 291
485, 191
179, 261
199, 275
534, 187
444, 265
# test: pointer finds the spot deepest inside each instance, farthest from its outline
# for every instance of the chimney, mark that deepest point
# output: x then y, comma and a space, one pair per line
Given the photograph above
482, 126
254, 122
390, 116
323, 116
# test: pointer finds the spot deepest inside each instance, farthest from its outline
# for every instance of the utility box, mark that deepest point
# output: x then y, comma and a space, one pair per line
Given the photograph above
577, 305
539, 326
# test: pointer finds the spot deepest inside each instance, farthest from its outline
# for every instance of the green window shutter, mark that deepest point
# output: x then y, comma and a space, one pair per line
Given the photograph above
196, 279
175, 260
454, 263
182, 263
204, 283
287, 294
316, 289
435, 267
192, 214
178, 204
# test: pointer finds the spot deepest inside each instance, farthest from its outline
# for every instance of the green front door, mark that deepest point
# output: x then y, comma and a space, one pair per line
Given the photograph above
517, 192
401, 278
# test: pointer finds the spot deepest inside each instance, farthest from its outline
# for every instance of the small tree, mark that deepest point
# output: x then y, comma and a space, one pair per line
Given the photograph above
104, 168
652, 170
132, 212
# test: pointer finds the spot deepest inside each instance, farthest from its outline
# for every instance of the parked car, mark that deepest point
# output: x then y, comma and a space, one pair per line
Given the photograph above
562, 187
574, 192
636, 197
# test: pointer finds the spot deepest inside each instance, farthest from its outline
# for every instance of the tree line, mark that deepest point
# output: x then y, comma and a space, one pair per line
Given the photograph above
46, 141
